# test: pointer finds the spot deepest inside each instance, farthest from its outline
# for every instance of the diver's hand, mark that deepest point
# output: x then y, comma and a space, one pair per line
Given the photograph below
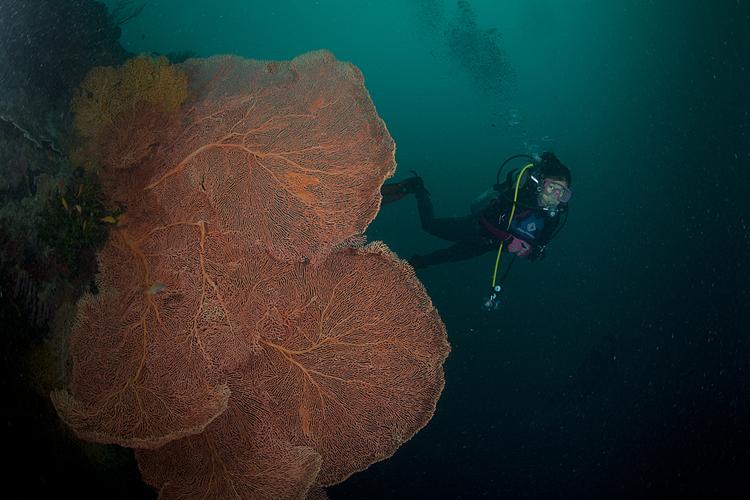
519, 247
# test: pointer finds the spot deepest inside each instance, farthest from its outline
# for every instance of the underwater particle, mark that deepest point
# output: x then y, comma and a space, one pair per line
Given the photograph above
514, 117
476, 50
458, 38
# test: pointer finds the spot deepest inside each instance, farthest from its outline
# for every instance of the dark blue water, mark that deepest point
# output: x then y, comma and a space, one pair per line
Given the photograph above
647, 102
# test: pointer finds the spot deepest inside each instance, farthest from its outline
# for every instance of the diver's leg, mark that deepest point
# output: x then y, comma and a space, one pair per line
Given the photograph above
454, 253
424, 205
451, 229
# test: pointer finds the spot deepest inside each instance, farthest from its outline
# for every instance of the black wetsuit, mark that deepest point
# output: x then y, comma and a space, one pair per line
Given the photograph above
474, 235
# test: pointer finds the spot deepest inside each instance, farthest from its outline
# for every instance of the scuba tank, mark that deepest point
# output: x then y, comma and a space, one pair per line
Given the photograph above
483, 200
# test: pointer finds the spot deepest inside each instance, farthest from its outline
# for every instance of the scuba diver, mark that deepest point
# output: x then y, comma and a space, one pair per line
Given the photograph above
519, 216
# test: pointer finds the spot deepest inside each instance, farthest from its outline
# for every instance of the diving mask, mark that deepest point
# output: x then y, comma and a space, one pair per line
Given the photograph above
557, 191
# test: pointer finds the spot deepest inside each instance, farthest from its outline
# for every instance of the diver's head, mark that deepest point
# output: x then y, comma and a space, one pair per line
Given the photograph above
553, 193
550, 167
553, 185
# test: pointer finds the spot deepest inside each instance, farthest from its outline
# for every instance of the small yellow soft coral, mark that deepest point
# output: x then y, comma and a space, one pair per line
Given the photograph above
123, 112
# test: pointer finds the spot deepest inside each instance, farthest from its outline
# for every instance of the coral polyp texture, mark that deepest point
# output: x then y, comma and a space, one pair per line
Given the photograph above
123, 113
